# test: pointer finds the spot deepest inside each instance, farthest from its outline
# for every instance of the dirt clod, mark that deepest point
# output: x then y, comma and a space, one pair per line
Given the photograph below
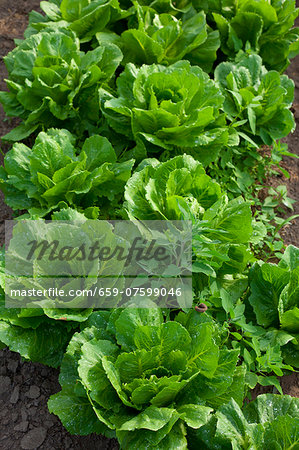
34, 392
34, 438
23, 426
12, 366
15, 395
4, 384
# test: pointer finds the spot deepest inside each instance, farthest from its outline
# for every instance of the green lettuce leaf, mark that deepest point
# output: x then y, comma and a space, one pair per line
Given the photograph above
270, 421
274, 292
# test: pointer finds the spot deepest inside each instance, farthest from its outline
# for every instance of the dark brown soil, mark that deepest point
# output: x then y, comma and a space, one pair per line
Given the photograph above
25, 422
289, 385
290, 233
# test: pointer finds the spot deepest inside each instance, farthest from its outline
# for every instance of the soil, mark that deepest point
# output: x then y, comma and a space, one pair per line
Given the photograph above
25, 422
290, 233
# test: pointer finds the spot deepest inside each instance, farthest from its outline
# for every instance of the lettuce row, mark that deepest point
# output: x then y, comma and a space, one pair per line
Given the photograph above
55, 175
176, 109
264, 27
133, 373
156, 110
148, 37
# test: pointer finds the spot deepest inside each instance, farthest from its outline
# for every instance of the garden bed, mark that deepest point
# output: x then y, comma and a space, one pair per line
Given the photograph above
25, 387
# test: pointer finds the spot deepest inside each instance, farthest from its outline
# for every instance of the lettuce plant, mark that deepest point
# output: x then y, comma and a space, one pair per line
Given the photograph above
270, 421
180, 189
36, 336
168, 190
54, 174
52, 83
83, 17
262, 314
173, 109
164, 39
144, 378
274, 297
39, 334
257, 102
278, 286
262, 26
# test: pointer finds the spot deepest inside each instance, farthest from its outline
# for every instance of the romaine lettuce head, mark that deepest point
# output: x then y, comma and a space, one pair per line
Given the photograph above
263, 26
175, 108
165, 39
84, 17
274, 297
274, 292
259, 99
39, 335
270, 421
54, 174
51, 82
171, 190
144, 378
180, 189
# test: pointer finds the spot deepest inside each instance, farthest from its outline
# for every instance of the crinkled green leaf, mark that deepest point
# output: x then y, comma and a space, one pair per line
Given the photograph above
75, 413
45, 344
267, 283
